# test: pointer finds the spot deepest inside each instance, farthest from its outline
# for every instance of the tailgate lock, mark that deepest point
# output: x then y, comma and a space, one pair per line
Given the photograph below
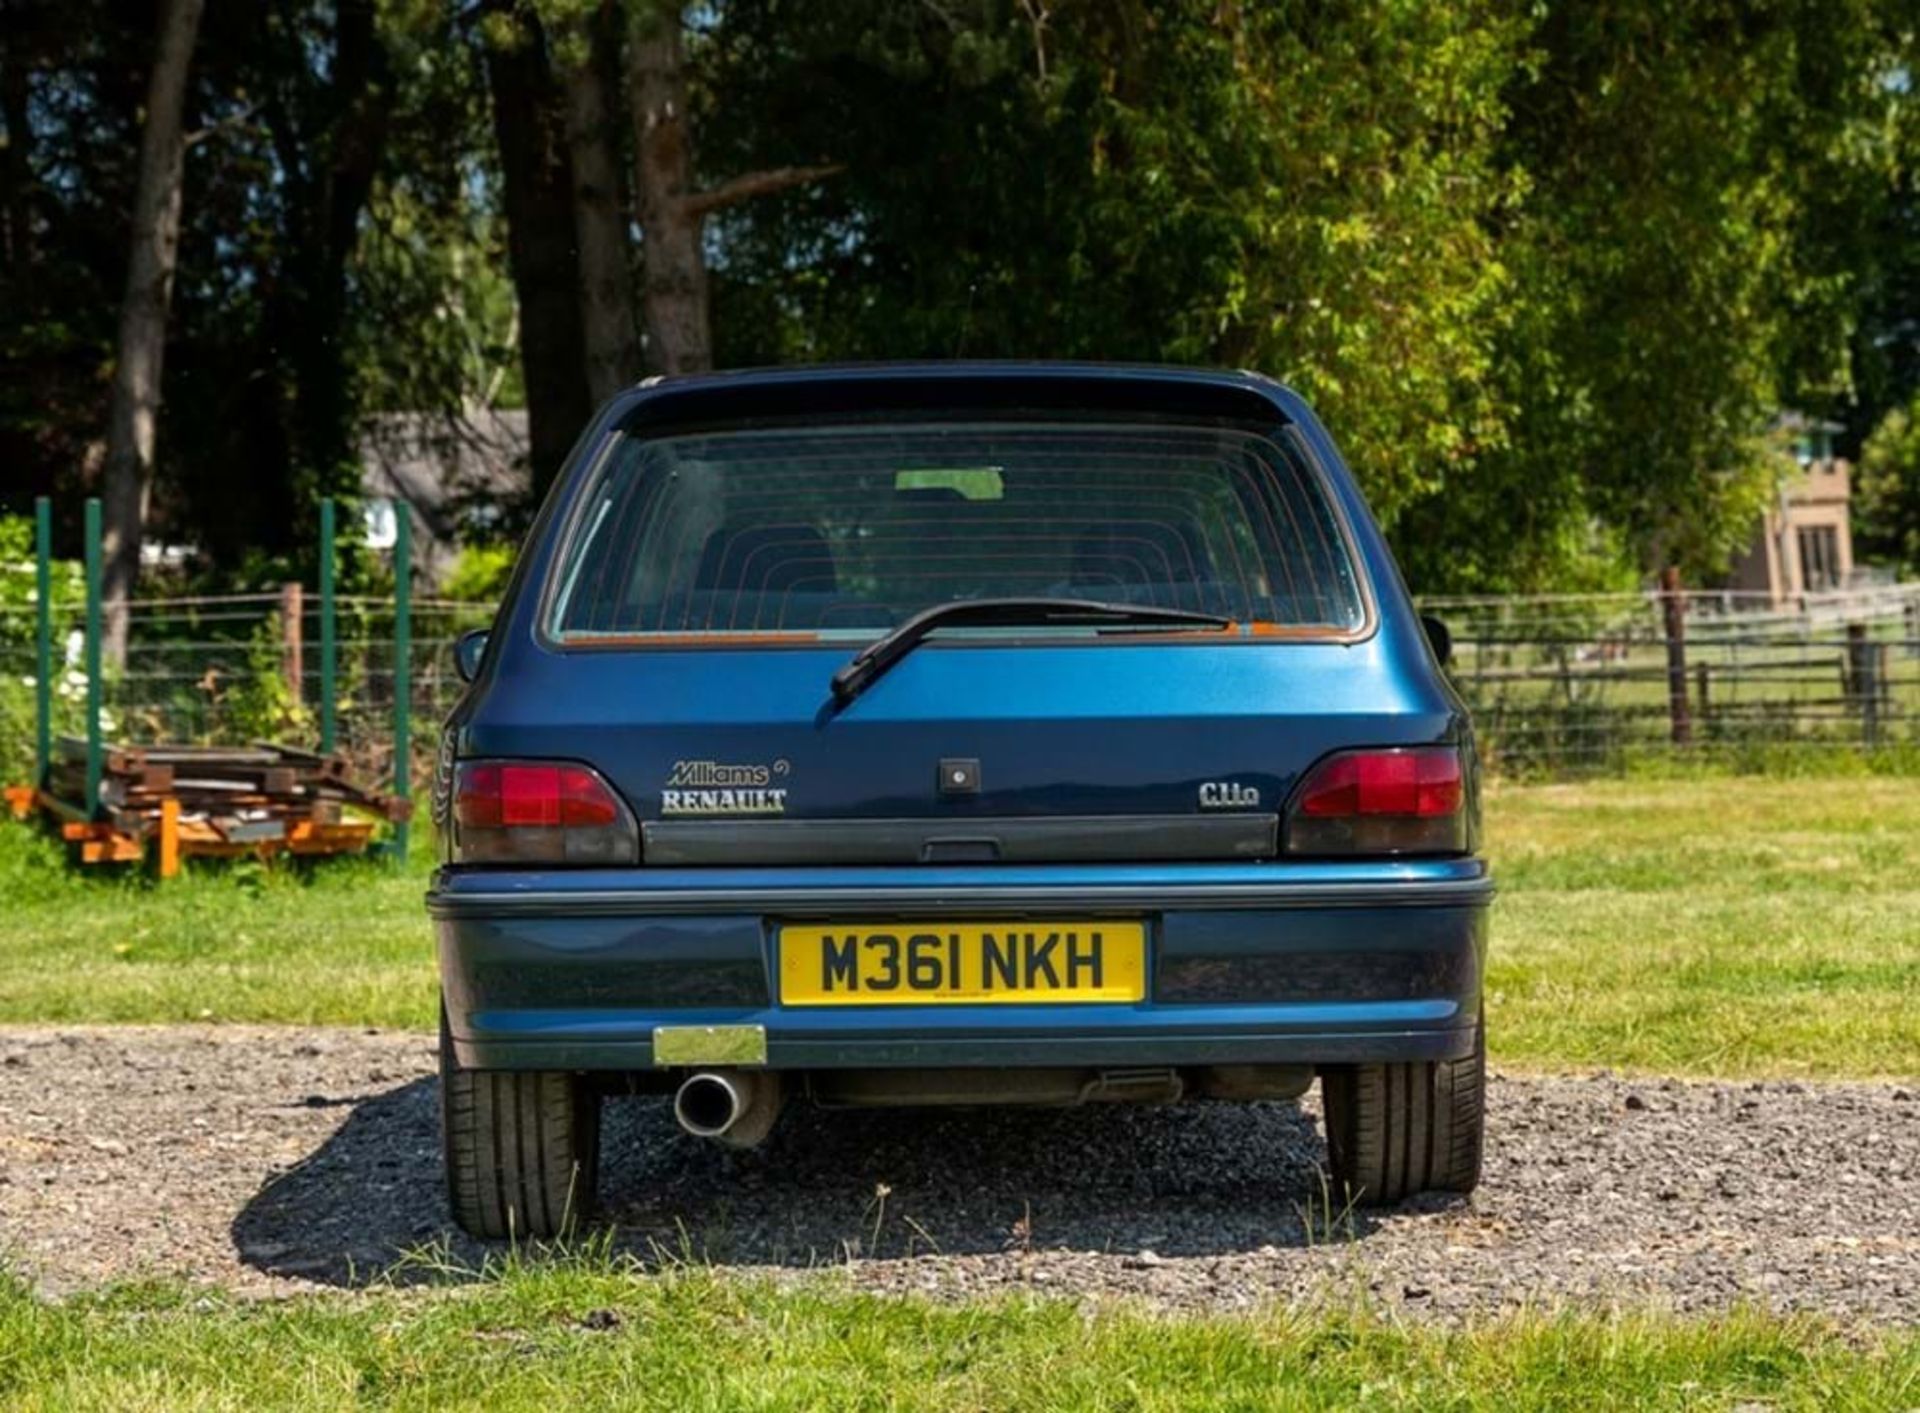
960, 775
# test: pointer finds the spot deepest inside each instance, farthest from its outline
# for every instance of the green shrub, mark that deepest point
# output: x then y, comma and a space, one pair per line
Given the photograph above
18, 623
480, 574
261, 705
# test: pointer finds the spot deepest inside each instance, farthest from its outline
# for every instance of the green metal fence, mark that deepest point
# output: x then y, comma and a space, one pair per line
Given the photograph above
232, 668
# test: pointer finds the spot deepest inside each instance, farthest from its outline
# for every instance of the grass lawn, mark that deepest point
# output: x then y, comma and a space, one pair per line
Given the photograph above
584, 1335
1706, 925
1744, 926
1729, 926
344, 943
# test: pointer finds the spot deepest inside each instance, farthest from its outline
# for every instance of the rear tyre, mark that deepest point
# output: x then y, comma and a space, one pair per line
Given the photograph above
522, 1147
1394, 1130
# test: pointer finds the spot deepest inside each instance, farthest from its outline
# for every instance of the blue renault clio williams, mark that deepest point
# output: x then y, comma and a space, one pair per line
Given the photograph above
954, 734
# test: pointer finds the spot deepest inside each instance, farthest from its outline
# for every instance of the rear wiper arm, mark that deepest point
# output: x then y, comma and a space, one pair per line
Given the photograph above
883, 652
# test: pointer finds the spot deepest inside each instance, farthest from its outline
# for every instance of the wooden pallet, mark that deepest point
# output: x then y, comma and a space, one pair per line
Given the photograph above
102, 841
257, 801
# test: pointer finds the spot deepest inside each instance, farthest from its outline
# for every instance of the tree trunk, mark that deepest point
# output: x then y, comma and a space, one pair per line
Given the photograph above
672, 210
537, 182
674, 295
329, 162
141, 352
341, 182
584, 64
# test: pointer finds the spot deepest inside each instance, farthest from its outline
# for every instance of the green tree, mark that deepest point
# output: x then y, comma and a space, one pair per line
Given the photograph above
1549, 270
1875, 230
1305, 189
72, 79
1886, 492
1548, 267
1672, 283
338, 253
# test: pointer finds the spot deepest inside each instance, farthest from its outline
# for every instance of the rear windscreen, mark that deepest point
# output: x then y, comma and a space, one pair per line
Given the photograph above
831, 530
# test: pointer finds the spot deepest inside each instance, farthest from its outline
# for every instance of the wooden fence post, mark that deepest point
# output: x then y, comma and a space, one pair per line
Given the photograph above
1863, 682
292, 650
1679, 710
169, 861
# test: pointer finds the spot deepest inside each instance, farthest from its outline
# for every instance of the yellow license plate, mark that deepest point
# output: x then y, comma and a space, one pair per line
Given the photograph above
931, 963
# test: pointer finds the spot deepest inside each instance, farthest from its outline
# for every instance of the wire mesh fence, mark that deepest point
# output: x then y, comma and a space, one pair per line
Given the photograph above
237, 668
1560, 685
1580, 684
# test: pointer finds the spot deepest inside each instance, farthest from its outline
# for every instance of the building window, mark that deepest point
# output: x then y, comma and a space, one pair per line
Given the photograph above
1819, 557
1814, 447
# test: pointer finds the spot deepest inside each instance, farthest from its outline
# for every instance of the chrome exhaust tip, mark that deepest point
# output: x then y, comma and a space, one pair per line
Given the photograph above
736, 1107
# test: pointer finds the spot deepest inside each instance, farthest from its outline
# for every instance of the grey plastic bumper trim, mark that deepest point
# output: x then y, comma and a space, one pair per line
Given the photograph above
1056, 839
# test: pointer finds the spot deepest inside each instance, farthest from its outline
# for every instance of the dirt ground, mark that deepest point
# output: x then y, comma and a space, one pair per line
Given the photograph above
269, 1160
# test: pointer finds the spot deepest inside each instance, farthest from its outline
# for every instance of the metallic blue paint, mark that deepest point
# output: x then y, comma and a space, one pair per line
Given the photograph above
1275, 961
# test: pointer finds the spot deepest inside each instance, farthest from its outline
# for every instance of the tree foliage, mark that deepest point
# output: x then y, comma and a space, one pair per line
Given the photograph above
1308, 191
1671, 289
339, 254
1547, 268
1886, 491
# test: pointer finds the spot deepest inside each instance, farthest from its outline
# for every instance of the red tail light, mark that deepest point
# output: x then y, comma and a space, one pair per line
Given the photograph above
539, 812
1407, 800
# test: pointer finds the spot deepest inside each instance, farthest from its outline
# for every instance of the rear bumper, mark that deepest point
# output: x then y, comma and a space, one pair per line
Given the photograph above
1247, 964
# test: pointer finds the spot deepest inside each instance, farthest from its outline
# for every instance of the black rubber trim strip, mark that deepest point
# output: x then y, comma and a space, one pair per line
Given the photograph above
1016, 900
896, 1051
1086, 838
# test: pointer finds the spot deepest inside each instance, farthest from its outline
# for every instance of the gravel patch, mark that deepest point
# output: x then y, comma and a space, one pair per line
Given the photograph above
271, 1159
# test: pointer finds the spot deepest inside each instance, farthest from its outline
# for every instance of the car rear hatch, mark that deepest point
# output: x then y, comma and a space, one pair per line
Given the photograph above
711, 580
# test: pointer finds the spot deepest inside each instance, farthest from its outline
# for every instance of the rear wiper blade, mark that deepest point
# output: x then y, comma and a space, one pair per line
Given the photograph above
883, 652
